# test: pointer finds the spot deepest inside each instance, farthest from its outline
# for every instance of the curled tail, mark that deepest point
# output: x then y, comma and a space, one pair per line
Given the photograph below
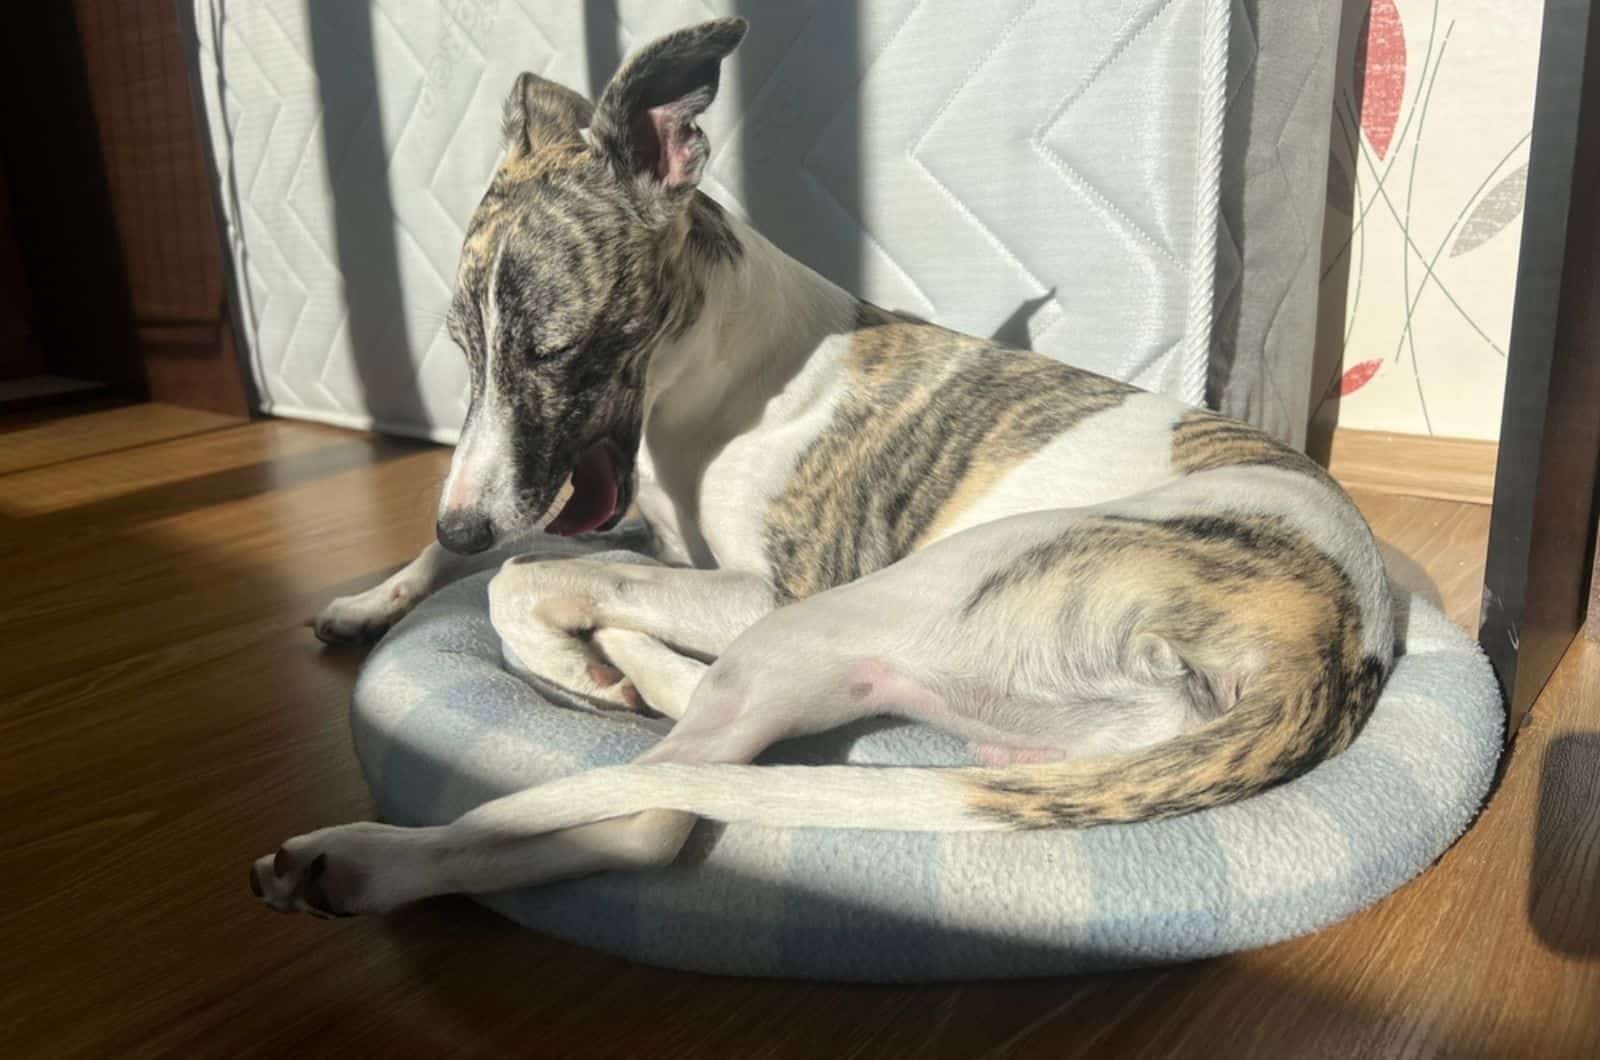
1241, 603
1268, 737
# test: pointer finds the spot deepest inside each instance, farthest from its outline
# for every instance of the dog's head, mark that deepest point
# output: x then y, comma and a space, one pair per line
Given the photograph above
586, 252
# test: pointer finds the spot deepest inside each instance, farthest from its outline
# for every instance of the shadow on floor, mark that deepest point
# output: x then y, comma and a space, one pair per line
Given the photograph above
480, 969
1564, 879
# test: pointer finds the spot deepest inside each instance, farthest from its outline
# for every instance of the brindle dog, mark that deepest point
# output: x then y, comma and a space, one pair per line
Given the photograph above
1132, 609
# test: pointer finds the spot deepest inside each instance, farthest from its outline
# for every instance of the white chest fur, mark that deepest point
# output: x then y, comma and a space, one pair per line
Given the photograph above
732, 404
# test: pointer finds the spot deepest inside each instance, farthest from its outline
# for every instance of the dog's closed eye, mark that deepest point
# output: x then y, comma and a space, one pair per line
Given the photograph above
550, 353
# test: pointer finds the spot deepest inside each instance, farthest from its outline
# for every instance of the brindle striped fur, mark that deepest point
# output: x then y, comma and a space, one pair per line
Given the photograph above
1208, 584
932, 419
1205, 441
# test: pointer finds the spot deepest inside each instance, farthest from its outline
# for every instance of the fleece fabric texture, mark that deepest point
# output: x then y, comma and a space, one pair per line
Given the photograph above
441, 727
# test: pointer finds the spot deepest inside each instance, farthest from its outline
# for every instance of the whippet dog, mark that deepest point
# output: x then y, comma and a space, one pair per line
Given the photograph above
1131, 608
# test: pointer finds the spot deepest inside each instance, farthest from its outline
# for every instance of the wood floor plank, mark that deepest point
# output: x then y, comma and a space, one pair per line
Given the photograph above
187, 575
200, 469
164, 718
67, 438
1410, 465
1432, 547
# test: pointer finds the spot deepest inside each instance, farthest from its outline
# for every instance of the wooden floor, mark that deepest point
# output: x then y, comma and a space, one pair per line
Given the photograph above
165, 717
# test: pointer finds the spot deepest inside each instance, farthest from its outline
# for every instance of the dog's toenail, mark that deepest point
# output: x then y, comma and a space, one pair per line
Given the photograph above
255, 884
311, 892
282, 863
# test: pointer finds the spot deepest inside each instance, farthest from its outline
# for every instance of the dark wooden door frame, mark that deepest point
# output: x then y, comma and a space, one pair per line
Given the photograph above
80, 309
1542, 530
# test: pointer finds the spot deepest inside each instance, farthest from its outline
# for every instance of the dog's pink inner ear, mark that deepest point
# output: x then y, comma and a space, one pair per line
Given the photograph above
667, 138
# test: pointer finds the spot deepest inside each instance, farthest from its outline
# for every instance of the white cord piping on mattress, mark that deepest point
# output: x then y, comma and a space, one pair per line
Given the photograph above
1207, 204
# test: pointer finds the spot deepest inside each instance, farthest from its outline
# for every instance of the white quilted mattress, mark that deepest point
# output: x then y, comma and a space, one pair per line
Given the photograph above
1043, 172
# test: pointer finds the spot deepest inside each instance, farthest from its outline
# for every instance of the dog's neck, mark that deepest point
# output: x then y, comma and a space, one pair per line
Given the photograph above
764, 320
767, 352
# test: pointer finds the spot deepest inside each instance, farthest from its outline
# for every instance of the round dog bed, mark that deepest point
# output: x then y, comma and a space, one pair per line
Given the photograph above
441, 727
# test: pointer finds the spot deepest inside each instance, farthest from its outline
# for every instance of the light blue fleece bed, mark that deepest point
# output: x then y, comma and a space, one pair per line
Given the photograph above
441, 727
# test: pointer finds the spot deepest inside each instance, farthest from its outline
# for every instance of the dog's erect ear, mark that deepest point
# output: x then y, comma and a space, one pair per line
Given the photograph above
645, 121
540, 112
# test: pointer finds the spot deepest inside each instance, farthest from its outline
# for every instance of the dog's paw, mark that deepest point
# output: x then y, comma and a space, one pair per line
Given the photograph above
544, 616
611, 690
345, 871
365, 617
563, 664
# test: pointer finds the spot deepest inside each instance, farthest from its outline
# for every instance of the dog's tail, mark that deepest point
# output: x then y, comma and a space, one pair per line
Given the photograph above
1270, 735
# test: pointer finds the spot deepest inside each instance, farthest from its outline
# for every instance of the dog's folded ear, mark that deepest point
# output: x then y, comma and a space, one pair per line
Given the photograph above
644, 123
538, 113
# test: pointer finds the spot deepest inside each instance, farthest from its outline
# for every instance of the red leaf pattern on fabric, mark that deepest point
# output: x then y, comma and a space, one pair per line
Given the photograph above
1358, 376
1380, 74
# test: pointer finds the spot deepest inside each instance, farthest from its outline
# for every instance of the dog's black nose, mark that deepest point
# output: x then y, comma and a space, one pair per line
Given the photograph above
465, 531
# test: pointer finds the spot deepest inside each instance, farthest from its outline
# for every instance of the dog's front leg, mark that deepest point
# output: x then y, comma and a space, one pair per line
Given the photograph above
518, 840
617, 631
365, 616
649, 622
614, 818
369, 867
